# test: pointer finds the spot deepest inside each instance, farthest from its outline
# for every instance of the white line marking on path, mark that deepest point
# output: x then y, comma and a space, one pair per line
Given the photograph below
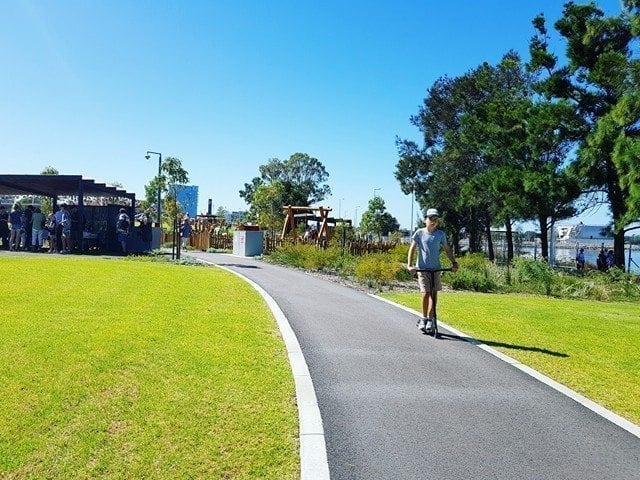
591, 405
313, 450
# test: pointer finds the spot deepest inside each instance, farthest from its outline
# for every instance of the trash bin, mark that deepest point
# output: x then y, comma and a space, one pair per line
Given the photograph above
248, 243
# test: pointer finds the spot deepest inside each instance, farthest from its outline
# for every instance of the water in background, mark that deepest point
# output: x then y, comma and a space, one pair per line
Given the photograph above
566, 254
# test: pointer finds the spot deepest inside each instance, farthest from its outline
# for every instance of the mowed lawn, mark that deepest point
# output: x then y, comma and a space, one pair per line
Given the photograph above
121, 369
591, 347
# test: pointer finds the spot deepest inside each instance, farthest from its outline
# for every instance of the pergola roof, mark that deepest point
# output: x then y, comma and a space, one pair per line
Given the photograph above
58, 185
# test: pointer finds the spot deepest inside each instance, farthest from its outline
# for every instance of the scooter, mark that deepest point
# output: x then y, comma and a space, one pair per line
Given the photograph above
434, 324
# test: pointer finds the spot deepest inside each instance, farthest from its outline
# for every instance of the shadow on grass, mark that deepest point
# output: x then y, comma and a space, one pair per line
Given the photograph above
511, 346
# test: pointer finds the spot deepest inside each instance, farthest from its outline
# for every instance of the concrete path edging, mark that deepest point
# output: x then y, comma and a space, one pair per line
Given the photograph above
313, 450
590, 404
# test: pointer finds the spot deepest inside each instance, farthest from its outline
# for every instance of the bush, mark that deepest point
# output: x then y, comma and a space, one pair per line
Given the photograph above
378, 268
534, 274
311, 257
474, 273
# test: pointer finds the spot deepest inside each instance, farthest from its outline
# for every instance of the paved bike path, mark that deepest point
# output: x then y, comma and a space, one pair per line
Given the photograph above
396, 404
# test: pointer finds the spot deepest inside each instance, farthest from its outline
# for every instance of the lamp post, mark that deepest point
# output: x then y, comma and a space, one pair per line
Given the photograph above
356, 217
147, 156
340, 208
413, 196
374, 191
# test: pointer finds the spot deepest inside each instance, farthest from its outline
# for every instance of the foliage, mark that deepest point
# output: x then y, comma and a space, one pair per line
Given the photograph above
267, 205
600, 82
376, 220
493, 153
301, 178
172, 174
475, 274
342, 233
308, 256
536, 274
378, 268
47, 202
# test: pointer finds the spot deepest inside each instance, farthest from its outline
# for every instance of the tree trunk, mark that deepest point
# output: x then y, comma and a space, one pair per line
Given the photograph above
618, 249
544, 237
507, 224
490, 251
474, 232
618, 211
456, 242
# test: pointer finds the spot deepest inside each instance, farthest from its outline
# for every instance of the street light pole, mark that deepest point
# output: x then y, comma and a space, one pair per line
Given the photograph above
356, 219
147, 156
340, 208
413, 196
375, 190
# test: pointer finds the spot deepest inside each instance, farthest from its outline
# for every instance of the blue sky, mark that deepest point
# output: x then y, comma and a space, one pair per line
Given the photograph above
89, 86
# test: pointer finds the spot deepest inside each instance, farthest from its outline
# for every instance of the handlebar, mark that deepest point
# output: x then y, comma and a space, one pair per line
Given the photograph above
433, 269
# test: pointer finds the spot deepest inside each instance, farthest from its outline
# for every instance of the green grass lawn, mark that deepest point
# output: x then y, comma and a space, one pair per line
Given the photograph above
592, 347
123, 369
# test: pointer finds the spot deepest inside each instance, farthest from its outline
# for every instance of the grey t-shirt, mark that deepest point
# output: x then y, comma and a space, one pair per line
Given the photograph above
429, 245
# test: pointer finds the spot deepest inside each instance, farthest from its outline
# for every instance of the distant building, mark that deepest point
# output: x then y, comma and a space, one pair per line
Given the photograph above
187, 195
582, 233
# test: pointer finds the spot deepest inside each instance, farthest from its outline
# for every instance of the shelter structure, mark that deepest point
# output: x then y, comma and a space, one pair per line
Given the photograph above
320, 215
55, 186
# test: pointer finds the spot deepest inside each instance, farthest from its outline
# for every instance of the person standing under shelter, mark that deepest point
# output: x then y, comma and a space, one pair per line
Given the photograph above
4, 227
15, 218
65, 222
37, 238
428, 242
122, 229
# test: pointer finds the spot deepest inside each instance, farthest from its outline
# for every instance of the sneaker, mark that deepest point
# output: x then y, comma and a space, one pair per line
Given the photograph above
429, 325
421, 323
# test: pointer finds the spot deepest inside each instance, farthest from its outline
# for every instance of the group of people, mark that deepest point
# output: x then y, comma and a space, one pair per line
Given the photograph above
604, 262
28, 229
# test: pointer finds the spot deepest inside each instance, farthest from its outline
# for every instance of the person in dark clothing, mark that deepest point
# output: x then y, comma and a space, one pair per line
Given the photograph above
4, 227
601, 262
146, 233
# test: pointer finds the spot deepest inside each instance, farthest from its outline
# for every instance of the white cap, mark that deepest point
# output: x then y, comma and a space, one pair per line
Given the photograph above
432, 212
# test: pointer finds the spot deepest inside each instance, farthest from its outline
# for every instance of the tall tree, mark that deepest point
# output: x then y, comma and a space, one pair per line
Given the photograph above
600, 81
172, 174
376, 220
482, 162
301, 181
267, 206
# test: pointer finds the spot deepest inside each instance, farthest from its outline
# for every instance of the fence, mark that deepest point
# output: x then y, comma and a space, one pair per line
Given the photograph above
205, 239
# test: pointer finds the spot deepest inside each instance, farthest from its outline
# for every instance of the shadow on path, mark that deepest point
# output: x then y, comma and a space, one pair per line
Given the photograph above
238, 265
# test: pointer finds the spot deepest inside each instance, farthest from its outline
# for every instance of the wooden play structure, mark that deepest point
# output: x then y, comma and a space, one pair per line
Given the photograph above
296, 213
320, 215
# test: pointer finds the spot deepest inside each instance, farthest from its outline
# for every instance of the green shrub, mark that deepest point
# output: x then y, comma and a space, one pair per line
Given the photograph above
400, 252
378, 268
474, 273
536, 274
471, 280
311, 257
290, 255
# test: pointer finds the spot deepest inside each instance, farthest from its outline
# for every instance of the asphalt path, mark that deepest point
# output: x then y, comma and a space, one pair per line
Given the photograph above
396, 404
